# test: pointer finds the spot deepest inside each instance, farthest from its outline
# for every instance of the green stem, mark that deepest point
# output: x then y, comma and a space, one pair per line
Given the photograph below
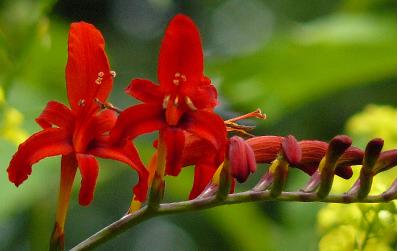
145, 213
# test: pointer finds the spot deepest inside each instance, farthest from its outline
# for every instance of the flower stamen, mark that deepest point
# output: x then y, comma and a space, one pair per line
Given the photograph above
166, 101
190, 104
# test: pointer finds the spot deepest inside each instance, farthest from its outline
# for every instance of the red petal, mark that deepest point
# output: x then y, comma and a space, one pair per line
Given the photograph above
127, 154
93, 127
86, 61
137, 120
56, 114
46, 143
174, 139
203, 175
198, 150
180, 52
145, 90
88, 167
203, 97
207, 125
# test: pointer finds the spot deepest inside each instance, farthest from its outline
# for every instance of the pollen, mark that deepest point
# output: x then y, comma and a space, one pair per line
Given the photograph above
166, 101
178, 78
81, 102
113, 74
190, 104
176, 101
98, 81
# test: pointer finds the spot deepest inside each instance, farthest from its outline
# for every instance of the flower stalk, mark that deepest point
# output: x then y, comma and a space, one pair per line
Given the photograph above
144, 213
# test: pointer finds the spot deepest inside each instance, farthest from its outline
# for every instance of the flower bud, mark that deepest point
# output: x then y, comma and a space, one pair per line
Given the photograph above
314, 150
265, 148
291, 150
241, 158
387, 160
337, 146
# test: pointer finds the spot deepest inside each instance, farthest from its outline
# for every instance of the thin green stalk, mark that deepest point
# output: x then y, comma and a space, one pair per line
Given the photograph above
145, 213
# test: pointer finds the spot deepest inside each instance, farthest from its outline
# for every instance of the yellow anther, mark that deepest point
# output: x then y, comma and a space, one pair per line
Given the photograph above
183, 77
113, 73
176, 81
81, 102
166, 101
176, 101
100, 74
177, 74
190, 104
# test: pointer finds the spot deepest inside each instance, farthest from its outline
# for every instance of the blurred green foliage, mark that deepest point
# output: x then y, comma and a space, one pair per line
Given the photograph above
308, 64
364, 226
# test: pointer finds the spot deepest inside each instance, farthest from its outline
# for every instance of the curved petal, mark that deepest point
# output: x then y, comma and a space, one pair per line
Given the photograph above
88, 167
145, 90
203, 175
56, 114
197, 150
181, 53
174, 139
93, 127
137, 120
46, 143
207, 125
88, 73
203, 97
128, 155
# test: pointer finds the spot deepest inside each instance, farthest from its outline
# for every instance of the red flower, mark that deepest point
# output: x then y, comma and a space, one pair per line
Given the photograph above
182, 102
79, 134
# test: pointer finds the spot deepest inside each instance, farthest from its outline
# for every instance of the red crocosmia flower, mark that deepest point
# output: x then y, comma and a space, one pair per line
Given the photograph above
182, 102
78, 133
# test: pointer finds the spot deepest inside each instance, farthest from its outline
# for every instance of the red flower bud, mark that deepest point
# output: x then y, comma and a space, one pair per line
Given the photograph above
291, 150
387, 160
265, 148
241, 158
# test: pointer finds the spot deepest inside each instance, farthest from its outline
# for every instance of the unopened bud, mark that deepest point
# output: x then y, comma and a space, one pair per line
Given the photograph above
387, 160
265, 148
241, 158
337, 147
372, 152
291, 150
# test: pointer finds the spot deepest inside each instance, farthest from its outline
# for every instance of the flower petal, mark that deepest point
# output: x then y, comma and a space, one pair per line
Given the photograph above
145, 90
137, 120
203, 97
127, 154
208, 126
88, 73
174, 139
46, 143
56, 114
88, 167
203, 175
198, 150
180, 52
93, 127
